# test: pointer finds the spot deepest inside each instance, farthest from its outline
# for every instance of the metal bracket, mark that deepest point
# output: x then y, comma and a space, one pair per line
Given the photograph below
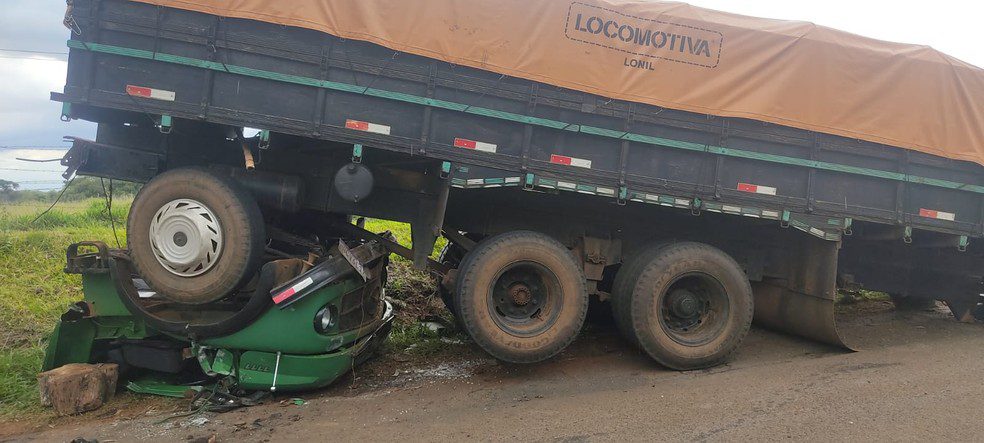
848, 223
695, 206
276, 371
530, 179
352, 260
458, 239
962, 243
166, 124
623, 194
264, 139
445, 170
357, 153
77, 263
66, 114
907, 235
784, 221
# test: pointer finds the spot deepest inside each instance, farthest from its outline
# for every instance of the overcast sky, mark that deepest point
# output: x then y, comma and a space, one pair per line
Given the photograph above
28, 118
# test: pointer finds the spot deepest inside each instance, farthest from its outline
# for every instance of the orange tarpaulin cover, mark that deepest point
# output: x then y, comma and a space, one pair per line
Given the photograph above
676, 56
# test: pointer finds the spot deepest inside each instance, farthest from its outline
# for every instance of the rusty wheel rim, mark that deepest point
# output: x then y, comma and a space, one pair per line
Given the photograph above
693, 310
524, 299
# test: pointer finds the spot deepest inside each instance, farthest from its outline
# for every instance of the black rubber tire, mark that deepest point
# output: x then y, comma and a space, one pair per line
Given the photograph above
625, 280
481, 266
258, 303
909, 303
243, 233
663, 266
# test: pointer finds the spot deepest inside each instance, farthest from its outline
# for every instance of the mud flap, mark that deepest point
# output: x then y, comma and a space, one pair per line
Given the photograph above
805, 315
802, 304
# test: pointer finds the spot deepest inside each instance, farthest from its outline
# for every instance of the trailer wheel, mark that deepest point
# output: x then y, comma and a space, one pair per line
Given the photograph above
622, 287
194, 236
521, 296
691, 305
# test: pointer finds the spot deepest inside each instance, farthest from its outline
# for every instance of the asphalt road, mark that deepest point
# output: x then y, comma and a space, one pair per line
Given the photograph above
917, 379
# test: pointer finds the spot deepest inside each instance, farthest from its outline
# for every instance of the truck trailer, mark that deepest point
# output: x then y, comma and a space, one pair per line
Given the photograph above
695, 169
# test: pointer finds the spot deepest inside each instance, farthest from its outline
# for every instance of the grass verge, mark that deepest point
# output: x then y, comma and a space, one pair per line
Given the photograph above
34, 291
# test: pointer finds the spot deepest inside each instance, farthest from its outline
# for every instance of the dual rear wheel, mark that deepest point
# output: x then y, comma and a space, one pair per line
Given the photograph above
687, 305
522, 298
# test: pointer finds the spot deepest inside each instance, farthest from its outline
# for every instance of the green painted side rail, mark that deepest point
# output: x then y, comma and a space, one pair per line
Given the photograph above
519, 118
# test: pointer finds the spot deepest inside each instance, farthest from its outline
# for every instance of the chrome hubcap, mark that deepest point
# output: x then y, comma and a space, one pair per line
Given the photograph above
186, 237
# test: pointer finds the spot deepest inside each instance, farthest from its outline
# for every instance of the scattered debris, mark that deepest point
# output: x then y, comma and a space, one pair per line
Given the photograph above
398, 304
434, 327
444, 371
210, 439
293, 401
196, 422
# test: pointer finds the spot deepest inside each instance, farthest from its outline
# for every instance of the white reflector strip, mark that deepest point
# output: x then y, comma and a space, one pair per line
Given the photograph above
756, 189
156, 94
474, 145
570, 161
939, 215
367, 127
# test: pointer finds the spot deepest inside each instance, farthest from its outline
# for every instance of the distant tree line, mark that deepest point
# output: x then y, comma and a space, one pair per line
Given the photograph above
81, 188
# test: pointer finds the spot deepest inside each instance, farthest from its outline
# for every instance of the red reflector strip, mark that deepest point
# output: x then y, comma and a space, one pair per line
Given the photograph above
284, 295
289, 292
156, 94
756, 189
570, 161
367, 127
939, 215
474, 145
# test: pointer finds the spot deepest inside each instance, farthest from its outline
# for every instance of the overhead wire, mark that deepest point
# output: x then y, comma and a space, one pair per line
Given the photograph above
29, 170
41, 147
34, 160
109, 208
60, 194
32, 51
43, 59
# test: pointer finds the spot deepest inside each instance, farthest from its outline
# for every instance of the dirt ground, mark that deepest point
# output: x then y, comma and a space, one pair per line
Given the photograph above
917, 378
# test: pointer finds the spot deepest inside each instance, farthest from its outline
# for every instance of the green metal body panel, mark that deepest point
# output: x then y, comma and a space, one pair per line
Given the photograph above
73, 341
295, 372
155, 386
291, 330
307, 359
99, 292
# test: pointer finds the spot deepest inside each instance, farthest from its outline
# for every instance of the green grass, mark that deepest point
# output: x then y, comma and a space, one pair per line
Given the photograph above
34, 290
418, 290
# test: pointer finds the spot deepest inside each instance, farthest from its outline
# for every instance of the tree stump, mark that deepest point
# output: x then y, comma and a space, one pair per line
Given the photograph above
77, 388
